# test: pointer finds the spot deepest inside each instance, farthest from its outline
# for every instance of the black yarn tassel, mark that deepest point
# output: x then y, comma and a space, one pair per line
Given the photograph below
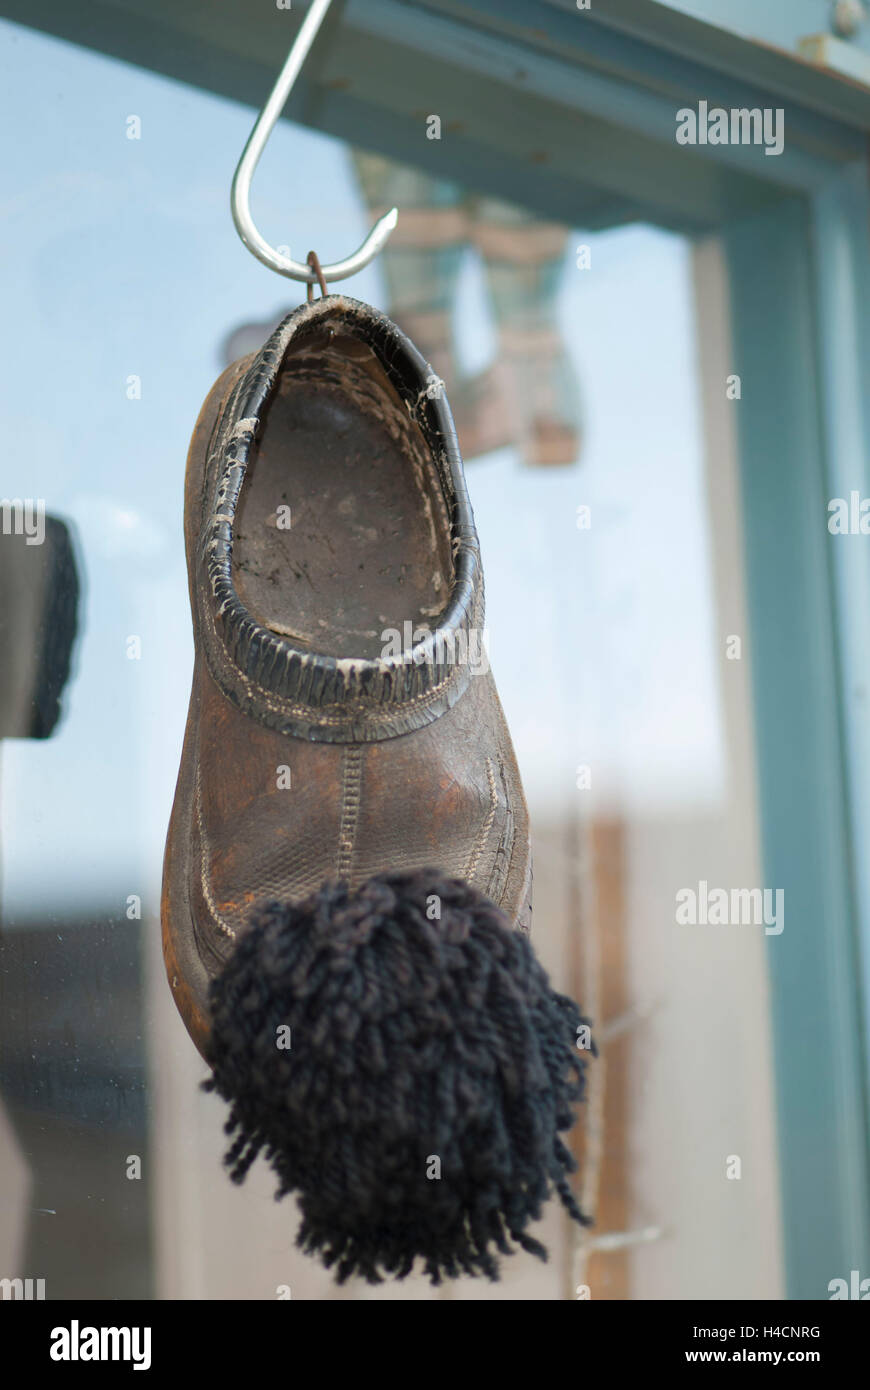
398, 1055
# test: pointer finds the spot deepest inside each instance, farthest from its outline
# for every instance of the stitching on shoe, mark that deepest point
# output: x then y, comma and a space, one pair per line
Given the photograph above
483, 833
503, 856
233, 674
351, 783
205, 881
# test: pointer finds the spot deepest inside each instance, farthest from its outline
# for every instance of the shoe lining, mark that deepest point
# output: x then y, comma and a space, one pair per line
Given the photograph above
364, 549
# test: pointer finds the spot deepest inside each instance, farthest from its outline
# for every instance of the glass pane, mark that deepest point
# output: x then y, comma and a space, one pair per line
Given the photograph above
617, 633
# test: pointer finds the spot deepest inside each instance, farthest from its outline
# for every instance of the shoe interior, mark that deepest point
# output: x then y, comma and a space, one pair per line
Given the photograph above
367, 548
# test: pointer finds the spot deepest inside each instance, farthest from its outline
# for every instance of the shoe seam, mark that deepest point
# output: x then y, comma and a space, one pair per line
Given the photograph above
228, 675
351, 792
484, 832
204, 878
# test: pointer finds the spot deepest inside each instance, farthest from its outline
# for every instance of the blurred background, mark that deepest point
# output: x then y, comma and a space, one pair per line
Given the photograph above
624, 510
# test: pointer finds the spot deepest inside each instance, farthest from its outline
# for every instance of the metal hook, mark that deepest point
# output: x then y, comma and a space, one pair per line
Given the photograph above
241, 190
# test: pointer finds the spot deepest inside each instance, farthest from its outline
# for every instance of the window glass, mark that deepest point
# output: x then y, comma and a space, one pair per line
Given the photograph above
614, 583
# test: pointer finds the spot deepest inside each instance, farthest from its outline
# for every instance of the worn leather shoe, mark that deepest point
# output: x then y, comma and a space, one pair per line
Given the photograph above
343, 719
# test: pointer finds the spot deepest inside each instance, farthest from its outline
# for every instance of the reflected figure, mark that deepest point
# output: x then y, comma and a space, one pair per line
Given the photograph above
529, 396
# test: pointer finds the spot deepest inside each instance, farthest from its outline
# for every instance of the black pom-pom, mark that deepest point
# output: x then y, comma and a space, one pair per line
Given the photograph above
399, 1056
